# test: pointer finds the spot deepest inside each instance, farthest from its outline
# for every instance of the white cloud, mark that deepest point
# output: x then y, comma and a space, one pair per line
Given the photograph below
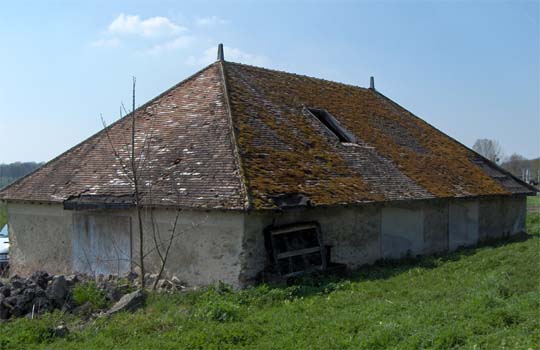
231, 54
209, 21
180, 42
113, 42
150, 27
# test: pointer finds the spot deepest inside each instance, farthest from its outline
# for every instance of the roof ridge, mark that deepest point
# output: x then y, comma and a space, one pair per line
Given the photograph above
298, 75
108, 127
234, 139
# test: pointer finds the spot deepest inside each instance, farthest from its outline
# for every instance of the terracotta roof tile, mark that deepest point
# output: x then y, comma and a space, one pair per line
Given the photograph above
399, 156
189, 154
196, 156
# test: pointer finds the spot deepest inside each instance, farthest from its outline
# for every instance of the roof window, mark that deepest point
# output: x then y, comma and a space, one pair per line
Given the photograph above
333, 125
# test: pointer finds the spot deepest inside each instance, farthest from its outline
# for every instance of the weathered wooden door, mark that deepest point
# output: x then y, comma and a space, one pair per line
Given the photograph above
101, 244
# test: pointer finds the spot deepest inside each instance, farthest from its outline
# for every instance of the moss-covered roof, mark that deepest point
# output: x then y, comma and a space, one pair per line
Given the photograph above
239, 137
285, 150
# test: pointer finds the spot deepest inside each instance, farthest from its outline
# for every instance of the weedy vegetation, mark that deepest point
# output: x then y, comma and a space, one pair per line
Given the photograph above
3, 215
89, 293
483, 298
533, 200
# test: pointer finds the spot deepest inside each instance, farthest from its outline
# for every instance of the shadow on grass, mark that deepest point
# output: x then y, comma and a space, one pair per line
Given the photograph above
318, 283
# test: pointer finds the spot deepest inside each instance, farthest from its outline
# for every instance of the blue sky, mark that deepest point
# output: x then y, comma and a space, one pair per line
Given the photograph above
469, 68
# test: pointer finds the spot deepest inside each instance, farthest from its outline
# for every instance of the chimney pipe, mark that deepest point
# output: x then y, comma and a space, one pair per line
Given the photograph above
372, 83
220, 56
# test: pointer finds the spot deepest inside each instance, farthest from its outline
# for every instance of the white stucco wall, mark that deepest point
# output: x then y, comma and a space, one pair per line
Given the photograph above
353, 234
101, 243
362, 235
435, 227
206, 248
40, 238
463, 224
502, 216
226, 246
402, 232
515, 210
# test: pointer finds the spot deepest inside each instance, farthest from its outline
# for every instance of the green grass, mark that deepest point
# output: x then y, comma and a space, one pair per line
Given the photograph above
533, 224
486, 298
89, 293
3, 215
533, 200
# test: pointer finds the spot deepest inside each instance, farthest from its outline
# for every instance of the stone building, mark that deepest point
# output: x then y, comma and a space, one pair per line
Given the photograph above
264, 170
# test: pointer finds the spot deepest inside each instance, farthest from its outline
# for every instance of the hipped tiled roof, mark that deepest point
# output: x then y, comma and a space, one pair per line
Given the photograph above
238, 137
187, 154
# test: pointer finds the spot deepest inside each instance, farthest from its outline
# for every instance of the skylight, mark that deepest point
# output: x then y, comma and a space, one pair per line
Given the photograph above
333, 125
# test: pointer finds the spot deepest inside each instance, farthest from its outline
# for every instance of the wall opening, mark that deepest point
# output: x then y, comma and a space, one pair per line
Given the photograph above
331, 123
296, 249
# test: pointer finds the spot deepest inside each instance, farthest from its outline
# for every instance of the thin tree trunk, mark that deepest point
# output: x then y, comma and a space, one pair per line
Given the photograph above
166, 256
137, 193
141, 254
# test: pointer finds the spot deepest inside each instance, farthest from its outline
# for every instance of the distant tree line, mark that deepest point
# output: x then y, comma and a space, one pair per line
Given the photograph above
13, 171
490, 149
526, 169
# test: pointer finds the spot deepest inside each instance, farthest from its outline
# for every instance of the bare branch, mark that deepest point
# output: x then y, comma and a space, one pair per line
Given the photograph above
164, 259
154, 235
491, 149
116, 154
146, 145
136, 184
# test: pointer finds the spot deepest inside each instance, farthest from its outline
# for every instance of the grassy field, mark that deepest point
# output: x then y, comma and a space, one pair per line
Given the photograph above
485, 298
533, 200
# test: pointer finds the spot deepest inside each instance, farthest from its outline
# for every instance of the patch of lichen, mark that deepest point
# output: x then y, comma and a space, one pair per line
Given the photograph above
445, 169
282, 155
282, 152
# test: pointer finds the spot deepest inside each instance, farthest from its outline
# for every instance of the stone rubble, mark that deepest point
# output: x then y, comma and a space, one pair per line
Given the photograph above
129, 302
29, 297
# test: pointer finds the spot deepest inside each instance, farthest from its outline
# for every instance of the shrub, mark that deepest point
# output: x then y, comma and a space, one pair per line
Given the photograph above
217, 310
89, 293
218, 303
